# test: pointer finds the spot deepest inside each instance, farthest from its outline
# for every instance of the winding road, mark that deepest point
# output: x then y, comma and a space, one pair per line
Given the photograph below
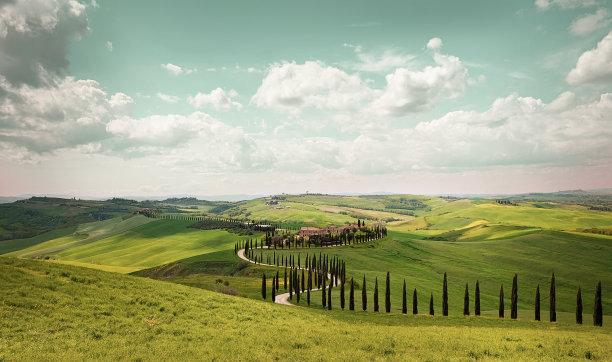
281, 298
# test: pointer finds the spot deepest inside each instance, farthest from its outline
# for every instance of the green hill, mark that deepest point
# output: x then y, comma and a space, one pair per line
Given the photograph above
52, 312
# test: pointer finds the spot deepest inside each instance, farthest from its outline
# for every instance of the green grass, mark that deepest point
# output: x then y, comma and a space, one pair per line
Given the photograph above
52, 312
155, 243
8, 246
575, 259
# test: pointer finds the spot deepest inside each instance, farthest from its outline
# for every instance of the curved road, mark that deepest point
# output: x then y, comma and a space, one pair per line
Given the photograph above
281, 298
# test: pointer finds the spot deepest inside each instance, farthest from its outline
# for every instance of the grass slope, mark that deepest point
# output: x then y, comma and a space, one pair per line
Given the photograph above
52, 312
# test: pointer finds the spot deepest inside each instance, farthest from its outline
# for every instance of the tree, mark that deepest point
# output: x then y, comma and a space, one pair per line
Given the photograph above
273, 290
537, 303
291, 284
352, 296
514, 298
387, 295
501, 301
263, 286
285, 281
376, 295
553, 300
466, 301
323, 294
276, 280
364, 295
415, 305
342, 295
431, 305
297, 286
303, 281
579, 306
597, 308
309, 287
477, 300
329, 302
404, 306
445, 297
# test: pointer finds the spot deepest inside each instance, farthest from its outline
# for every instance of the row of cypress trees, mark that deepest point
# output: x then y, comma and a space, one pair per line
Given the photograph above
327, 292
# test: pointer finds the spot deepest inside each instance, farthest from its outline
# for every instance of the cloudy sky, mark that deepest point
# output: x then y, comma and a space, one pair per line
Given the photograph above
138, 98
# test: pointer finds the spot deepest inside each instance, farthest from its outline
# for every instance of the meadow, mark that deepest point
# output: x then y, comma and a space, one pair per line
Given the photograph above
51, 312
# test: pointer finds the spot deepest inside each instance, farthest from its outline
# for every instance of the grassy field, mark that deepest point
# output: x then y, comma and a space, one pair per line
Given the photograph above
51, 312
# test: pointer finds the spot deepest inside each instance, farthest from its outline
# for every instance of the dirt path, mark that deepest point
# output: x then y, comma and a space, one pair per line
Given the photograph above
281, 298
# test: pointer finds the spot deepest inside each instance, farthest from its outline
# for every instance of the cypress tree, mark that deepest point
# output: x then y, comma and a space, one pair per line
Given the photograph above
553, 300
537, 303
376, 295
291, 285
597, 308
445, 297
415, 304
477, 300
273, 290
323, 294
263, 286
501, 301
404, 306
364, 295
352, 296
579, 306
431, 305
309, 288
514, 298
285, 281
303, 281
329, 302
297, 288
342, 295
466, 301
388, 295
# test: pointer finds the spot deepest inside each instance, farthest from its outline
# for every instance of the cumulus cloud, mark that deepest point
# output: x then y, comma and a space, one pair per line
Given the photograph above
292, 87
593, 65
564, 4
589, 23
34, 38
109, 46
434, 43
176, 69
218, 98
167, 98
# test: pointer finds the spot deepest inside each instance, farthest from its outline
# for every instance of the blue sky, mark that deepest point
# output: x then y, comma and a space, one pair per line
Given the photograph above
202, 98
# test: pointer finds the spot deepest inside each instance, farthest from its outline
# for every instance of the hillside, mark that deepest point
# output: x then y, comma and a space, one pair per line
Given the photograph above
52, 311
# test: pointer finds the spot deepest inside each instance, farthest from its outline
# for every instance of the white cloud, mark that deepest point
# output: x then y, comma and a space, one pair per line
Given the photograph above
218, 98
173, 69
594, 65
434, 44
564, 4
109, 46
588, 23
292, 87
410, 91
35, 36
387, 61
519, 75
167, 98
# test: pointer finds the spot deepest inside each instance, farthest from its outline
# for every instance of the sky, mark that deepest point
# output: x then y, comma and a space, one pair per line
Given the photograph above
150, 98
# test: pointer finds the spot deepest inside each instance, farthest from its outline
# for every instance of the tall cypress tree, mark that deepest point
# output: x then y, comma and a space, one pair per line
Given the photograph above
352, 296
263, 286
404, 303
431, 305
387, 295
323, 294
285, 280
537, 303
445, 297
597, 308
553, 300
501, 301
273, 290
342, 295
309, 288
303, 281
477, 299
579, 306
415, 304
329, 299
514, 298
466, 301
364, 295
291, 284
376, 295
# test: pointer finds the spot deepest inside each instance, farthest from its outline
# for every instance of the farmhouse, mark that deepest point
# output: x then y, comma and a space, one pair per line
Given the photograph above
307, 231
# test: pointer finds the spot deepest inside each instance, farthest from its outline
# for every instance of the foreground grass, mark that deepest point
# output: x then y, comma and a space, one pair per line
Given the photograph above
50, 311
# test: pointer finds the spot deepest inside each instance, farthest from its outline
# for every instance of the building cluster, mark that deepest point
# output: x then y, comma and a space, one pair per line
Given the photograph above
308, 231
